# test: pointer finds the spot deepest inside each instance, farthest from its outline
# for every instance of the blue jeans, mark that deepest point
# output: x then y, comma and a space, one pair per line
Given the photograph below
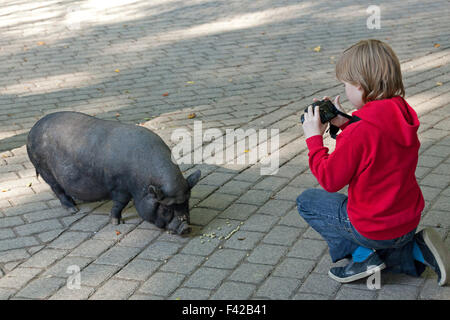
327, 214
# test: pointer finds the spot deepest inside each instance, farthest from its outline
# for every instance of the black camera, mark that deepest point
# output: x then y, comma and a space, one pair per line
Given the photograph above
327, 110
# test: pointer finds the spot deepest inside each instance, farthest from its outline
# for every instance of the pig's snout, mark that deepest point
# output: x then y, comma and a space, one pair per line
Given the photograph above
179, 225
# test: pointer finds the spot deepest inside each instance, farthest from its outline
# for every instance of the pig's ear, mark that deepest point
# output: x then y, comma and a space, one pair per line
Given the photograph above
193, 178
156, 191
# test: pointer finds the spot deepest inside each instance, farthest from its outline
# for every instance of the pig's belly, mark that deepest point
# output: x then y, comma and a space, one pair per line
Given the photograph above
81, 184
86, 190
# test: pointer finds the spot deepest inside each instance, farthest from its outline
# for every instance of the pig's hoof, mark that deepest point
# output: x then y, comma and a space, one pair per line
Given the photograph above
115, 221
73, 210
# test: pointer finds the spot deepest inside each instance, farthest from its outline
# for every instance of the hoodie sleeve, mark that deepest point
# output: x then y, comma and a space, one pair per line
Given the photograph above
333, 171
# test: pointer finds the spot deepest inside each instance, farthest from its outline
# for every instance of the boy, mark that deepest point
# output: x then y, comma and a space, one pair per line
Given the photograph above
377, 157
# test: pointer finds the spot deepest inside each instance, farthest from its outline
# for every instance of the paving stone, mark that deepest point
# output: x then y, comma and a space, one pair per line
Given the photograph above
10, 222
307, 249
267, 254
271, 183
41, 288
293, 219
255, 197
6, 233
397, 292
37, 227
234, 291
65, 293
44, 258
61, 268
206, 278
69, 240
12, 255
200, 247
251, 273
92, 248
5, 294
431, 291
259, 223
139, 238
217, 178
182, 263
94, 274
18, 277
294, 268
289, 193
239, 211
217, 201
160, 251
46, 214
50, 235
118, 256
25, 208
91, 223
235, 187
190, 294
277, 288
202, 216
225, 259
162, 283
112, 232
282, 235
243, 240
138, 270
202, 191
320, 284
276, 207
115, 290
355, 294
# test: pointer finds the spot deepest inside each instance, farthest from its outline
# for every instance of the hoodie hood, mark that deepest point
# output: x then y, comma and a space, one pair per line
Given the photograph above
394, 117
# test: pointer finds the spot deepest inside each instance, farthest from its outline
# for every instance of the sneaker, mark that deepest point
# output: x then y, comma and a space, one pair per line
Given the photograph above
357, 270
435, 253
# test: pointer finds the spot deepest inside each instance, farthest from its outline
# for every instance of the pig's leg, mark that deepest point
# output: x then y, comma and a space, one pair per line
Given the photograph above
66, 201
120, 201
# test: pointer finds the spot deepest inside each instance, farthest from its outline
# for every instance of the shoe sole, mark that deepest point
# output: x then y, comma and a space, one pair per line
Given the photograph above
440, 252
359, 275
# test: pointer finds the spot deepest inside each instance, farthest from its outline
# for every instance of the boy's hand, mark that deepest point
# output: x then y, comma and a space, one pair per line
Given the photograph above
339, 120
312, 125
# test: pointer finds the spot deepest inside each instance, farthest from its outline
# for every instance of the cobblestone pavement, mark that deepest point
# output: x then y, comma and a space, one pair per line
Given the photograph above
235, 64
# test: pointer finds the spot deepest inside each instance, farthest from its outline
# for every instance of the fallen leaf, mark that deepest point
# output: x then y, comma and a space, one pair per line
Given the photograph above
191, 115
118, 232
246, 151
317, 49
190, 82
439, 83
165, 94
40, 43
437, 45
117, 70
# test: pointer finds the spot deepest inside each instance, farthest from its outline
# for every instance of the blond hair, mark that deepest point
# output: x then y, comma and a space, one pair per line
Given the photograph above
373, 65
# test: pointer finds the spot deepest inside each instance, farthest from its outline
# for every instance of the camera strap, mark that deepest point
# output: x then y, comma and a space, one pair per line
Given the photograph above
334, 129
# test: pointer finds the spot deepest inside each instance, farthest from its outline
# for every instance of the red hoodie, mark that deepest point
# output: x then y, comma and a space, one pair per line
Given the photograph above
377, 157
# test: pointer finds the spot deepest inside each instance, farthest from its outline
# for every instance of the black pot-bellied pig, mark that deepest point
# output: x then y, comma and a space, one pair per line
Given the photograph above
82, 157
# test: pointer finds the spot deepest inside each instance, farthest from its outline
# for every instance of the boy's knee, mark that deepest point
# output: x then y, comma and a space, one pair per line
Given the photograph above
303, 201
